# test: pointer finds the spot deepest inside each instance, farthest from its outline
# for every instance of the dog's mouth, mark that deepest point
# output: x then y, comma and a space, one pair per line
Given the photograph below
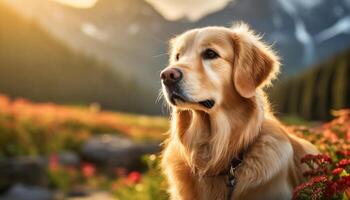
207, 103
178, 98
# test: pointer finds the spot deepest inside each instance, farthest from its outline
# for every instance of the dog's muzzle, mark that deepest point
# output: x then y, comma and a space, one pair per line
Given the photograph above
171, 79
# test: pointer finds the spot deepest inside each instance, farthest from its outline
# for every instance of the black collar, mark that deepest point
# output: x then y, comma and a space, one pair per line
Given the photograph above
235, 163
237, 160
231, 174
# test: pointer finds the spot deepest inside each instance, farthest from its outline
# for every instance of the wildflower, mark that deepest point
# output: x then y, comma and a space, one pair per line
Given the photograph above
317, 193
134, 177
307, 157
332, 188
343, 163
53, 163
337, 171
344, 153
153, 157
338, 187
319, 181
318, 159
344, 182
88, 170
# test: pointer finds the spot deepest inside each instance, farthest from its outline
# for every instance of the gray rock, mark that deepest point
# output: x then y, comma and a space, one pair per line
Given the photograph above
28, 170
69, 158
23, 192
115, 151
95, 196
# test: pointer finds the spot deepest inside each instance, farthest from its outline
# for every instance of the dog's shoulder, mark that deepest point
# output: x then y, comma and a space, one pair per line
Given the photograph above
273, 142
267, 158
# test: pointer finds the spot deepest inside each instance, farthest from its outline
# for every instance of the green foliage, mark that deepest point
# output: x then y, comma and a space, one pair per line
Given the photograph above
317, 91
152, 185
61, 178
294, 120
342, 77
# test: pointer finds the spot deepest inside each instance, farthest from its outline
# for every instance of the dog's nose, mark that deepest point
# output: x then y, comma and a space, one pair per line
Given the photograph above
171, 76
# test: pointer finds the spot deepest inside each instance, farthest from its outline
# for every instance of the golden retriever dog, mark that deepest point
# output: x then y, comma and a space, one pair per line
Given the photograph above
224, 142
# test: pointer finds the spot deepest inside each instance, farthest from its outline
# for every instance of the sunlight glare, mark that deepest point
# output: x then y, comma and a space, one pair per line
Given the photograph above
193, 10
78, 3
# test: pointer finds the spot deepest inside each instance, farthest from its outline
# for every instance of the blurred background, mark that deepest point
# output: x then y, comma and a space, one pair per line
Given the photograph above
70, 70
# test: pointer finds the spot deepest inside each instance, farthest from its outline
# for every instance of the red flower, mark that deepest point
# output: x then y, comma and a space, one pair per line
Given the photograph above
338, 186
345, 153
337, 171
319, 158
88, 170
307, 157
343, 163
313, 183
53, 163
134, 177
344, 182
325, 158
332, 189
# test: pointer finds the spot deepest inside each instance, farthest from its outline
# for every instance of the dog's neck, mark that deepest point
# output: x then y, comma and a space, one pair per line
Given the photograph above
210, 141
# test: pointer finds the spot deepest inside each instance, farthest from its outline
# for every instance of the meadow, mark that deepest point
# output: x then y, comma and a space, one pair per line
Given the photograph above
42, 128
36, 129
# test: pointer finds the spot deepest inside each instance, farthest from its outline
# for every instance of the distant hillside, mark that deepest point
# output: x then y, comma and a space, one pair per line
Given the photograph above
133, 33
314, 93
35, 65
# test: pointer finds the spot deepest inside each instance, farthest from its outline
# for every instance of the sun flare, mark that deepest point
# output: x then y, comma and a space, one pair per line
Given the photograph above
78, 3
193, 10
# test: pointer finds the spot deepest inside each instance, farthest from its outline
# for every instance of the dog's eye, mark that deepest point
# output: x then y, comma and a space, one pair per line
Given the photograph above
209, 54
177, 56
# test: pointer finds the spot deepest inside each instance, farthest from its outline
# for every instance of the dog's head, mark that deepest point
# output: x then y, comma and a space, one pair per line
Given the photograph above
209, 65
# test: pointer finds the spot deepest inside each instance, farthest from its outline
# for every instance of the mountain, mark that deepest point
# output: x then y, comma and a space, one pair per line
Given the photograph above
133, 34
116, 31
35, 65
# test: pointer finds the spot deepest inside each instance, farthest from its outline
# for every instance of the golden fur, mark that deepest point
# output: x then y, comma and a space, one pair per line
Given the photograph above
203, 141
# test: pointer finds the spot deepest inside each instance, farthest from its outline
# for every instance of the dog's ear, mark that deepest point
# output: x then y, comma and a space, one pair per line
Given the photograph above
255, 64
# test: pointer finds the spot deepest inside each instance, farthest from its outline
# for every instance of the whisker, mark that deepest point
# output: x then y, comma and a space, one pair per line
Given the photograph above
161, 54
160, 96
158, 40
